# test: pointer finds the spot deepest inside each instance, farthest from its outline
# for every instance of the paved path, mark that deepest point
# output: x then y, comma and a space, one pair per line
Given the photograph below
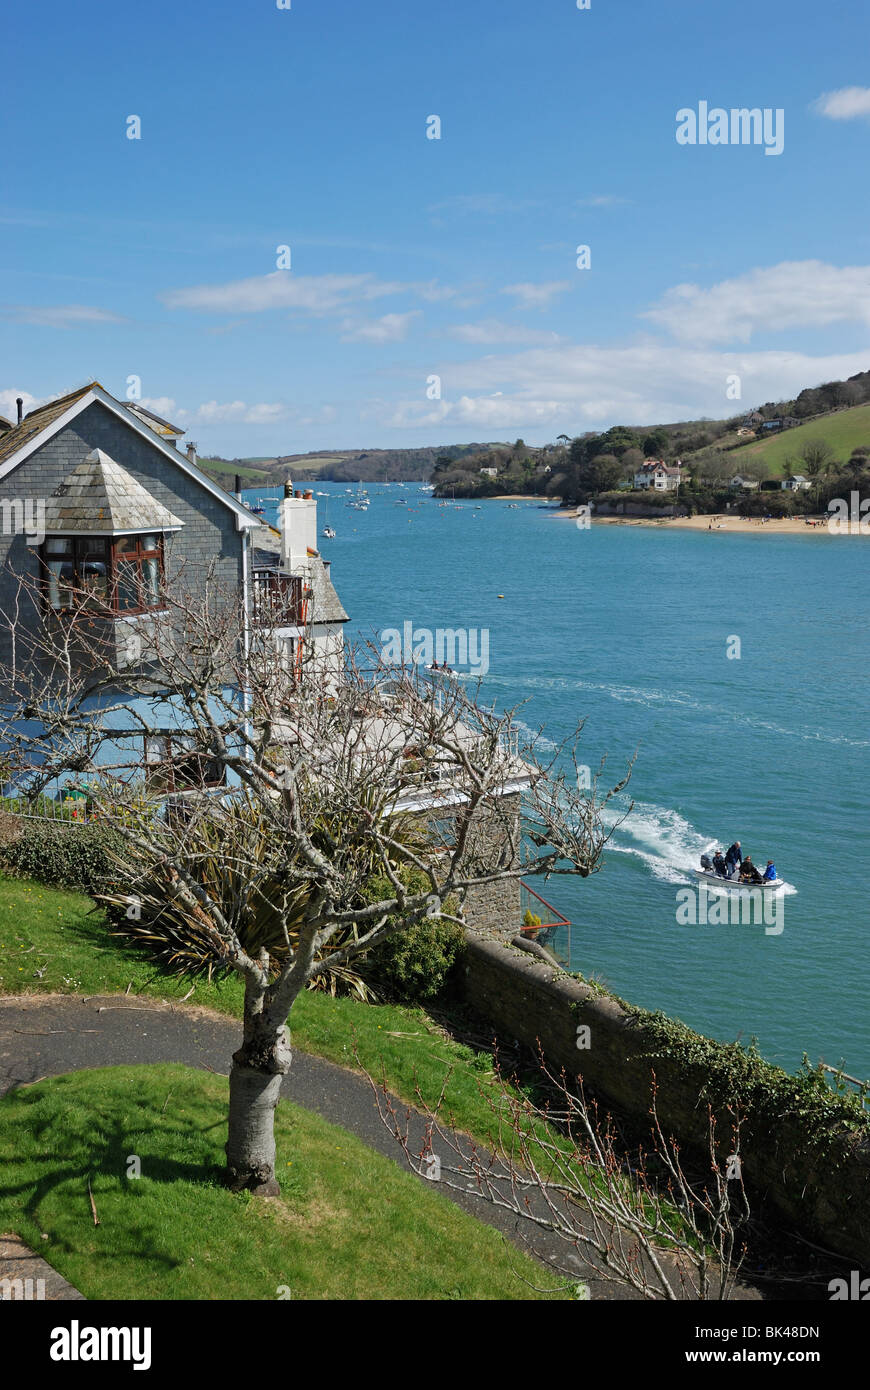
47, 1035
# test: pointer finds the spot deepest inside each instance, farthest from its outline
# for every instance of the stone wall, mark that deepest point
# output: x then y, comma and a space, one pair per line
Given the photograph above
495, 907
523, 997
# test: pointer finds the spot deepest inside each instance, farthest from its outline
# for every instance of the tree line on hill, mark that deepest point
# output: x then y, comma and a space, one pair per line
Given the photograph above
600, 467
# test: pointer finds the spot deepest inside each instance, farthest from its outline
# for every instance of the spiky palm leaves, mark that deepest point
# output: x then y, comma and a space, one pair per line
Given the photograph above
236, 868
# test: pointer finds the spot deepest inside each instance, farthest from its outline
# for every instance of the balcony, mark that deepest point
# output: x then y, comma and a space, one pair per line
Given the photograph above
279, 600
542, 923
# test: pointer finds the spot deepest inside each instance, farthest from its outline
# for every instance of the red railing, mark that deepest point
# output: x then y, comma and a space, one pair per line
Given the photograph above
553, 930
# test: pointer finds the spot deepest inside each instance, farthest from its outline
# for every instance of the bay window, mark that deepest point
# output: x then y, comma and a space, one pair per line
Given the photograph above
119, 574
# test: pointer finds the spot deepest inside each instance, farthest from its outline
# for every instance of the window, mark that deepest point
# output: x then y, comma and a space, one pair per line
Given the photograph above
174, 763
122, 575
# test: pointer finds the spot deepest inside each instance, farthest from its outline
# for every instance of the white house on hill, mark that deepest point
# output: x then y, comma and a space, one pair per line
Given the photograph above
659, 475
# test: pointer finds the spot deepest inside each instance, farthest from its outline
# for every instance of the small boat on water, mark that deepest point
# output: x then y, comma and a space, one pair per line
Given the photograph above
705, 876
328, 533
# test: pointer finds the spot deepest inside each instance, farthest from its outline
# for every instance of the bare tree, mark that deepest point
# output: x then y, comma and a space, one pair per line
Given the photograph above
634, 1219
267, 803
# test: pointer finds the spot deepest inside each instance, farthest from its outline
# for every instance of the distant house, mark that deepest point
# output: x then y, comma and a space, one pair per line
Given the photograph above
789, 421
771, 425
746, 484
542, 468
658, 475
754, 419
796, 483
489, 472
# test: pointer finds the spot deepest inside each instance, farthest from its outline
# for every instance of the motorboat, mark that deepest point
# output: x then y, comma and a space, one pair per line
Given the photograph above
328, 533
718, 881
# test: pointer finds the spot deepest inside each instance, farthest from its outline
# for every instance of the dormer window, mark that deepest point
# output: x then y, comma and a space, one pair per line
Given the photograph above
121, 574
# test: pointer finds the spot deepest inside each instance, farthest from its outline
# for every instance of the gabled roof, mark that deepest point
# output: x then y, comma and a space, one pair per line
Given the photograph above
156, 422
45, 421
101, 498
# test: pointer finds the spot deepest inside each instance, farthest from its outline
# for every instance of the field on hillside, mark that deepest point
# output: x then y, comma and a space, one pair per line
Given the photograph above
844, 430
225, 472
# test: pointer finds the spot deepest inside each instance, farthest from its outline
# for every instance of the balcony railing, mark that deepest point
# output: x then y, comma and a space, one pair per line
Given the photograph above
279, 600
551, 929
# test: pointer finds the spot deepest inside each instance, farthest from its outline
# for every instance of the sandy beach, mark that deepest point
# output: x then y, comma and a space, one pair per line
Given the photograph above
789, 525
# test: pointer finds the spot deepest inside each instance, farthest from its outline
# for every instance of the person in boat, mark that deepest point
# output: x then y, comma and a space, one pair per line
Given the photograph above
748, 871
719, 865
733, 857
770, 872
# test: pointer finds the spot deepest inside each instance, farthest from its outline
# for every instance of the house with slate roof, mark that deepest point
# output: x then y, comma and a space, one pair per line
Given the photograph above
100, 512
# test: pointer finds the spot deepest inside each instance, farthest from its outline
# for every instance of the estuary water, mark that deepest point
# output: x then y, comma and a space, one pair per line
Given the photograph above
630, 628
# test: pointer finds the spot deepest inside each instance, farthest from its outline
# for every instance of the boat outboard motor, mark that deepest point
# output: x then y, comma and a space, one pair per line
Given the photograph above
707, 863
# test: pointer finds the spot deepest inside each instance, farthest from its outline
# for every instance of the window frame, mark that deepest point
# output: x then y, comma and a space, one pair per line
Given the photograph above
133, 559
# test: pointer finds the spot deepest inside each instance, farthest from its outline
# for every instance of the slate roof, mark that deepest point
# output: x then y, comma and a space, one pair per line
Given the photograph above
326, 606
101, 496
36, 420
156, 422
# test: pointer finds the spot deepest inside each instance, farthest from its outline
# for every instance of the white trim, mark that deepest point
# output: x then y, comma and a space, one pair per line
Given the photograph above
72, 535
426, 799
244, 518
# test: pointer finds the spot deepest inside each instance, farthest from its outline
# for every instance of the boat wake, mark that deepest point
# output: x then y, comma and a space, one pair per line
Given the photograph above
668, 845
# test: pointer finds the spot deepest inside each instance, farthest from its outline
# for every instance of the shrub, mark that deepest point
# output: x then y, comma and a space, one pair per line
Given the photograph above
63, 855
413, 964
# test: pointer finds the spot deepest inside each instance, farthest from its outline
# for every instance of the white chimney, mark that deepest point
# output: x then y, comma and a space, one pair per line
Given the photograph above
298, 513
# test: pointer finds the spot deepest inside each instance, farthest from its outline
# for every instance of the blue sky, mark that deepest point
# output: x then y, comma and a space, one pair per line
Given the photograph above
415, 258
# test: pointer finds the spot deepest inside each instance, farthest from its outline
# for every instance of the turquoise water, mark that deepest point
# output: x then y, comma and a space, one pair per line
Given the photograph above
627, 627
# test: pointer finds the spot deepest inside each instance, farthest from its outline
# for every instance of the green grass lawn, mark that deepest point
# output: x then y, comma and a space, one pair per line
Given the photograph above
52, 941
843, 430
349, 1224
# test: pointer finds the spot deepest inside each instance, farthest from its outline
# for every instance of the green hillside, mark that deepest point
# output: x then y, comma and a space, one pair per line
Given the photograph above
843, 430
224, 472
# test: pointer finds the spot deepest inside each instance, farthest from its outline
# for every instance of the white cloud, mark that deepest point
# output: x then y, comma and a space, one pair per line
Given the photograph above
8, 407
494, 331
164, 406
575, 388
531, 296
485, 204
391, 328
790, 295
600, 200
845, 104
238, 412
313, 294
58, 315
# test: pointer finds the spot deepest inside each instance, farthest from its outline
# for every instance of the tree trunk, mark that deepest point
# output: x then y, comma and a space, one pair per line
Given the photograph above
259, 1067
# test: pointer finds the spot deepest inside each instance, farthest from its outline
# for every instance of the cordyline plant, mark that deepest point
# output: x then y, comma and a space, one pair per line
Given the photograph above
634, 1219
306, 787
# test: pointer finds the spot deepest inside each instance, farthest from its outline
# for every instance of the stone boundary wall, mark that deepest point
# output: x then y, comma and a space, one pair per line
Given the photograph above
525, 996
